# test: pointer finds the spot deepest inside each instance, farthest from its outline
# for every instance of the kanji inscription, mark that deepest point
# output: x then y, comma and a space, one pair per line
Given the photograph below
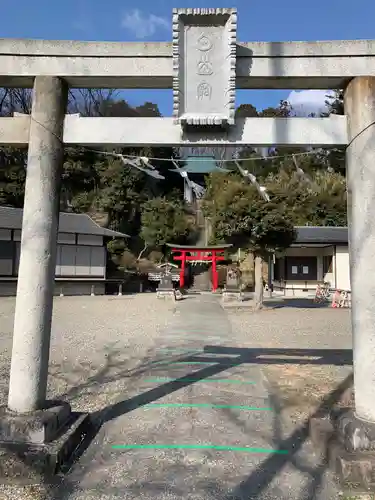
204, 59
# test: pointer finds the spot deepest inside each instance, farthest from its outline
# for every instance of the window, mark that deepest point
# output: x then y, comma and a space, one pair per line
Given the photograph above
90, 239
6, 258
66, 259
66, 238
71, 260
301, 268
80, 260
17, 258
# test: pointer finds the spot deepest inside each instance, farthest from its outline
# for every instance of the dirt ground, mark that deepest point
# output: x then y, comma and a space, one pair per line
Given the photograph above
318, 340
303, 389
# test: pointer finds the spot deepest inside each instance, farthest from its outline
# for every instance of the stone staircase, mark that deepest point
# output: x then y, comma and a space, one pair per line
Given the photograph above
100, 218
202, 279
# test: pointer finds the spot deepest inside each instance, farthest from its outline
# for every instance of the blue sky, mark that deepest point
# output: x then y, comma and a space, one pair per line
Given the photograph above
146, 20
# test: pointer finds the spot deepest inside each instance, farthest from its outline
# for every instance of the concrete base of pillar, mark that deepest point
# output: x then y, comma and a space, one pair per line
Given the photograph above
38, 447
228, 294
166, 294
39, 427
349, 447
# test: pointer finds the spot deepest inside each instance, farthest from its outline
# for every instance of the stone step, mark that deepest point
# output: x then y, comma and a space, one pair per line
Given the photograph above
202, 282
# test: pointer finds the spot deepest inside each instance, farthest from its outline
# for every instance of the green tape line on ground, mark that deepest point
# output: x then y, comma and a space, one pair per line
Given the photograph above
174, 362
192, 350
193, 362
196, 447
217, 380
204, 405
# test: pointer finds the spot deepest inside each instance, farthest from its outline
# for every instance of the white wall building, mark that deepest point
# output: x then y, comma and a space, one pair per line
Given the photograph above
81, 253
318, 254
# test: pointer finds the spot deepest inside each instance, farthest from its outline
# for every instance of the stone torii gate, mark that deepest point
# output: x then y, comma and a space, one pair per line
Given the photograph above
203, 65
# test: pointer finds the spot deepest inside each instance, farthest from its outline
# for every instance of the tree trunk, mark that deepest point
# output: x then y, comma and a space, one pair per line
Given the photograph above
258, 294
142, 252
269, 272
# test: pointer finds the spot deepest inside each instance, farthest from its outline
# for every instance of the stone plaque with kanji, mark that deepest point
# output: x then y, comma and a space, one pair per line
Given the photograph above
204, 64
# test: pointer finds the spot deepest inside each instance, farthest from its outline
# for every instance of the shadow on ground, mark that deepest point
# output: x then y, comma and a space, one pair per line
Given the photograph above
260, 479
298, 303
268, 356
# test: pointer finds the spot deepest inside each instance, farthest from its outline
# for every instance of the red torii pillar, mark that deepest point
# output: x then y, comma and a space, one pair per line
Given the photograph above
182, 257
215, 277
201, 255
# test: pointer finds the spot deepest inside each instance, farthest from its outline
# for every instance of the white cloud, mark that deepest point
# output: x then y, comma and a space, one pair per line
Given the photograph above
305, 102
143, 25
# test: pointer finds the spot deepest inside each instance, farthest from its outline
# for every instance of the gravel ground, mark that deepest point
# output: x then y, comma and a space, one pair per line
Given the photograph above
104, 348
98, 344
295, 327
301, 385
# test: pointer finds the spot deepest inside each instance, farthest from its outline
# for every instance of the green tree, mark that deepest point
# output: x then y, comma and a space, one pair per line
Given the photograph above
282, 111
148, 109
240, 216
329, 205
246, 111
79, 180
164, 221
335, 157
122, 191
335, 102
319, 200
12, 177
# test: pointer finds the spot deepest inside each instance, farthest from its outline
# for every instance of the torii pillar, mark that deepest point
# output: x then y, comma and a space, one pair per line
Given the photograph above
360, 156
352, 437
33, 314
30, 425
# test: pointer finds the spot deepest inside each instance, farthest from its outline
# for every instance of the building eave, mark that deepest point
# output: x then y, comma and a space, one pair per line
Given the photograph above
196, 248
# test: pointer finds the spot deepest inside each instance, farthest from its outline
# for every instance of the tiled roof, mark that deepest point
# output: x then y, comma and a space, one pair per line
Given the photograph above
11, 218
199, 247
321, 234
199, 165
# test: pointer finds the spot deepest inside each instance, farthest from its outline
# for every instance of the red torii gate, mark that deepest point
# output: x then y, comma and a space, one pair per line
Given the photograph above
199, 254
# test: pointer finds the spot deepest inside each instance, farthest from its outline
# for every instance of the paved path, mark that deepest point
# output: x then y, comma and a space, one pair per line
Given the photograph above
197, 424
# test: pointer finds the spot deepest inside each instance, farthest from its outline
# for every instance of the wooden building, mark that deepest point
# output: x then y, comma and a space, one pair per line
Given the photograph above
81, 259
318, 254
